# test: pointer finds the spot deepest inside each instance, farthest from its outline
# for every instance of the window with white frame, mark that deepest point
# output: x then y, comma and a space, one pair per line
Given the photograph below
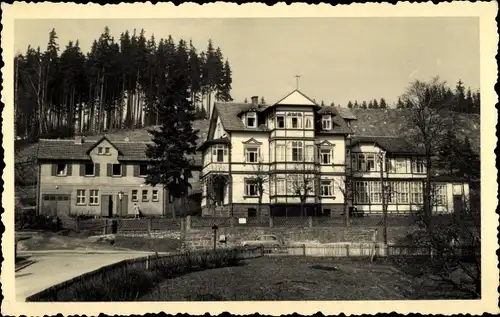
144, 195
80, 197
390, 165
219, 152
417, 193
370, 163
309, 154
251, 120
325, 155
280, 186
326, 187
361, 162
100, 150
280, 121
94, 197
280, 153
402, 189
375, 192
251, 154
418, 166
107, 151
154, 195
439, 194
135, 195
297, 151
400, 165
62, 169
308, 122
296, 120
251, 187
361, 195
326, 122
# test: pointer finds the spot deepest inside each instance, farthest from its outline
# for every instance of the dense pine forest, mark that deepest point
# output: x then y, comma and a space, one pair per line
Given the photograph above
116, 85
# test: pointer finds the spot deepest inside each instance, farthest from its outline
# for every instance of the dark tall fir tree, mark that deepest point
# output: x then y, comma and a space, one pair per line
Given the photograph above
363, 105
175, 139
350, 105
383, 103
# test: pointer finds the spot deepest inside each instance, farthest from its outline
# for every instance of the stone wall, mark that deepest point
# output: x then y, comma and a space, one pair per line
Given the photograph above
198, 238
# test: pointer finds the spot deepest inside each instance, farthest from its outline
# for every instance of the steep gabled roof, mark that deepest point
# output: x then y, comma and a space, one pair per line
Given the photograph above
103, 138
393, 145
296, 97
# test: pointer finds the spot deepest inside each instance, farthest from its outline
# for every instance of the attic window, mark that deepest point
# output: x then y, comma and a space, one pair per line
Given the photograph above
251, 120
326, 122
106, 151
99, 150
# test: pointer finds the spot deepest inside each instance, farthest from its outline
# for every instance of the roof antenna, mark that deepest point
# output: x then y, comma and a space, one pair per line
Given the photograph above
297, 77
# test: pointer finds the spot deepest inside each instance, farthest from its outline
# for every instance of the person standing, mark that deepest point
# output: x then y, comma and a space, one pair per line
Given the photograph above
137, 211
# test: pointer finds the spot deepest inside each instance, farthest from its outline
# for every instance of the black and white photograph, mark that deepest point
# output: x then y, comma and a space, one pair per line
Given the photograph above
206, 159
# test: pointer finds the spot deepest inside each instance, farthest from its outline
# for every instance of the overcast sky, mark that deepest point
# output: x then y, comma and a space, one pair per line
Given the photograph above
339, 59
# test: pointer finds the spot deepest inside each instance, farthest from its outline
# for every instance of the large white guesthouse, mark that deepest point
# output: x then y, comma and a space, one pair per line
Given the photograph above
308, 156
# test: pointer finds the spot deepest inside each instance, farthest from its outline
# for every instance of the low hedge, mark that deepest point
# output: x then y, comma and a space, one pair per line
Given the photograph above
127, 281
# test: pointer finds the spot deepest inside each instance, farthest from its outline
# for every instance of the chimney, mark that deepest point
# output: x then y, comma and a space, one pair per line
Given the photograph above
79, 139
255, 101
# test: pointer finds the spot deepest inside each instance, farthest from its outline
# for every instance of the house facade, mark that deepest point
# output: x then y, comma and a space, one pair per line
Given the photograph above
98, 177
296, 158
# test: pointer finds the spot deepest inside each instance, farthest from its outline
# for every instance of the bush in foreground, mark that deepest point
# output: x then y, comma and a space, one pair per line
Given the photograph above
129, 283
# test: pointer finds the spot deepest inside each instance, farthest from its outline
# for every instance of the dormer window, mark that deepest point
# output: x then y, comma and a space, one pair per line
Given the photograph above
251, 120
326, 122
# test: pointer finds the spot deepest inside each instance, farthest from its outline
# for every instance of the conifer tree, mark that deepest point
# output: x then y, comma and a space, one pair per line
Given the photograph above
370, 104
262, 101
375, 104
383, 103
175, 139
350, 105
363, 105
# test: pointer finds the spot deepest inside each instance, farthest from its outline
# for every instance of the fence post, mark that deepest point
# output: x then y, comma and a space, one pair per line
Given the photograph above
77, 224
105, 231
147, 262
347, 250
183, 224
310, 222
188, 223
270, 222
150, 225
261, 251
304, 249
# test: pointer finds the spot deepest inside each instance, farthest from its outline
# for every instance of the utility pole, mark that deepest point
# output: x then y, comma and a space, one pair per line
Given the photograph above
381, 156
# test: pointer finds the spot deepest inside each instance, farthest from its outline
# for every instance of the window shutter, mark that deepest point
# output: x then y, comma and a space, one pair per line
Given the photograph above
97, 169
54, 168
108, 169
82, 169
136, 170
69, 168
124, 169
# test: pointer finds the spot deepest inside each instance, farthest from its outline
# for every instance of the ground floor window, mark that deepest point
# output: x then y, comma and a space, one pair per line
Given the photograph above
135, 195
402, 192
417, 193
251, 188
440, 194
155, 195
80, 197
361, 196
326, 188
94, 197
375, 193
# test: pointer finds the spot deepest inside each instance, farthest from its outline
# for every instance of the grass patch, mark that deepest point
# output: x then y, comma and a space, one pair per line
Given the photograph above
296, 278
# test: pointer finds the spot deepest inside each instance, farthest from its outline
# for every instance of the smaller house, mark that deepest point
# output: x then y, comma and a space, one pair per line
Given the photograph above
100, 177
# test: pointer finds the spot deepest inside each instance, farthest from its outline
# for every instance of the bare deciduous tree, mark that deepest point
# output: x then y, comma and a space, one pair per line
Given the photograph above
261, 178
430, 113
302, 183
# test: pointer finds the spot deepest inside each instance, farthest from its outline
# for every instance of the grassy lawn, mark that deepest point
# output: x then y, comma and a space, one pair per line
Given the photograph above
289, 278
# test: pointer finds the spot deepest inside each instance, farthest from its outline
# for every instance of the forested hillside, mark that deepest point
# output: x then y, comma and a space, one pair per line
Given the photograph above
60, 92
